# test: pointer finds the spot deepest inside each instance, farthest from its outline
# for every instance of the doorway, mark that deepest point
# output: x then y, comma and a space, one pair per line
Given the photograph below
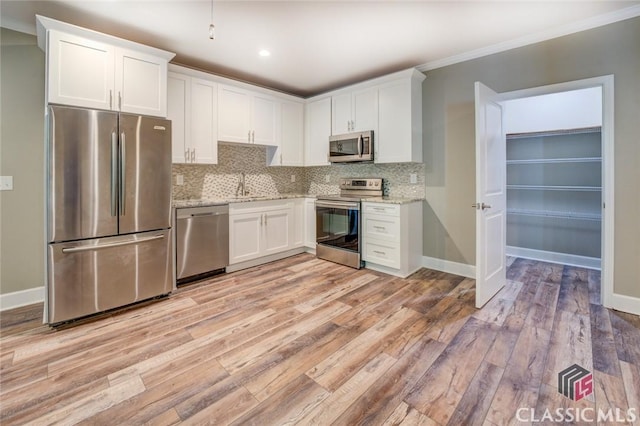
554, 177
498, 245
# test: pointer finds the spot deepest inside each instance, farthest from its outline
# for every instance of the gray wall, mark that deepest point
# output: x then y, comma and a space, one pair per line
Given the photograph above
449, 135
21, 156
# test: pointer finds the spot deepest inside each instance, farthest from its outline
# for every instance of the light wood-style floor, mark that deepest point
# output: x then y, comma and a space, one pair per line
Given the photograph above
304, 341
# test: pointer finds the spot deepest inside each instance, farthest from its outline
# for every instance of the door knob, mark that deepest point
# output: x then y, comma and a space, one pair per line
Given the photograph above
480, 206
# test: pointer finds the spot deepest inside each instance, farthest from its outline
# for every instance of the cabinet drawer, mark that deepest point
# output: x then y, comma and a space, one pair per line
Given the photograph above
382, 227
382, 252
380, 208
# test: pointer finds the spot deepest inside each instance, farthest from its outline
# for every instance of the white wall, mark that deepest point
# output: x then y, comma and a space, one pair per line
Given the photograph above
568, 110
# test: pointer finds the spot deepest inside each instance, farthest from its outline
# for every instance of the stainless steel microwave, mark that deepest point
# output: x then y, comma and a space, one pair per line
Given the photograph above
351, 147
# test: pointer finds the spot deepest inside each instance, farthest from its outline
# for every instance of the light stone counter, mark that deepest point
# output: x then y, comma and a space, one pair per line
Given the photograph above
221, 201
394, 200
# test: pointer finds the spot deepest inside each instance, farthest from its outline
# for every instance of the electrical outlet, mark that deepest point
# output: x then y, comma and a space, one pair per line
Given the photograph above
6, 183
327, 178
413, 178
293, 178
179, 180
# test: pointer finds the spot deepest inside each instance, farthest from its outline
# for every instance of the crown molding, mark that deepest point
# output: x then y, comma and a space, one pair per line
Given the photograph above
572, 28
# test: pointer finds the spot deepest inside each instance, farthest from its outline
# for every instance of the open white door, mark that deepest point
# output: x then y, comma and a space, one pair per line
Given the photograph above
491, 195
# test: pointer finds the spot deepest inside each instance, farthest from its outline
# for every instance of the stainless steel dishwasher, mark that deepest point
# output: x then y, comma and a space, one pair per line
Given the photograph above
202, 241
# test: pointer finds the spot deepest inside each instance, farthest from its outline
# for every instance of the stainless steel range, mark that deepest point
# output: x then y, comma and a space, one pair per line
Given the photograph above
338, 221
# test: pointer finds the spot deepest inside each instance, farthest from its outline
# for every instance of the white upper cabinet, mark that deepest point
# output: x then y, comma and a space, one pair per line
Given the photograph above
354, 111
291, 149
391, 106
246, 117
204, 121
94, 70
90, 85
234, 114
141, 83
399, 137
192, 109
317, 132
264, 115
179, 112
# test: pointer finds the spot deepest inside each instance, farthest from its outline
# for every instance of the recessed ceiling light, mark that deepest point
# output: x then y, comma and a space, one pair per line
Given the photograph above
264, 53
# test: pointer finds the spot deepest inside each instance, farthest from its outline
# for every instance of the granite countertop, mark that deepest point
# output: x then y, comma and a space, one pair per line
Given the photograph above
221, 201
204, 202
394, 200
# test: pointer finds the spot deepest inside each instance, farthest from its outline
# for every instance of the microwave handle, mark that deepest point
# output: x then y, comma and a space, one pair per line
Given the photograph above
360, 147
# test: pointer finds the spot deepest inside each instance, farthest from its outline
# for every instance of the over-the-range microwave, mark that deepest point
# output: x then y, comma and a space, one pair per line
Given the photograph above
351, 147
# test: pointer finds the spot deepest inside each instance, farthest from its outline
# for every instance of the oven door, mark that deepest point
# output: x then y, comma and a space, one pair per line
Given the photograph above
337, 224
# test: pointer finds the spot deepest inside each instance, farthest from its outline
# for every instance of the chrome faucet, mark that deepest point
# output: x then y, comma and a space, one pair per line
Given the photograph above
241, 189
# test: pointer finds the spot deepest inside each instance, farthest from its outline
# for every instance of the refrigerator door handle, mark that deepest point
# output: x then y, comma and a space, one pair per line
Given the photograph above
114, 173
123, 164
111, 245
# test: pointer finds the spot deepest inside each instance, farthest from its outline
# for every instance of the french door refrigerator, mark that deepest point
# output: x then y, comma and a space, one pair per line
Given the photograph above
109, 211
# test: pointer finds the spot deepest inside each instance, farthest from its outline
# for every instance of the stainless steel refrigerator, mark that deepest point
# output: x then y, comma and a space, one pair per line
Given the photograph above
109, 211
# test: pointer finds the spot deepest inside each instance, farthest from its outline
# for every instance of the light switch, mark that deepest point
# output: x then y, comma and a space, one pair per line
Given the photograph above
327, 178
6, 183
293, 178
413, 178
179, 180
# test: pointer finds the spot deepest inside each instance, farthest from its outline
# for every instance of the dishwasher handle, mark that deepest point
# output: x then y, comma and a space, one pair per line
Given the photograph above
195, 212
208, 214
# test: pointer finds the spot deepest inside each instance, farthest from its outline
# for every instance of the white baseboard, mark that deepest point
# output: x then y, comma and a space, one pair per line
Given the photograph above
21, 298
551, 257
450, 267
623, 303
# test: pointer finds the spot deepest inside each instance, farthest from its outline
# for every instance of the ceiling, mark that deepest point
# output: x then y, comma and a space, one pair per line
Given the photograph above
319, 45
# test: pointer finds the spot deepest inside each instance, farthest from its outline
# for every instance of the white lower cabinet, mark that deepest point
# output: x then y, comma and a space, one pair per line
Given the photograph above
260, 228
392, 237
245, 236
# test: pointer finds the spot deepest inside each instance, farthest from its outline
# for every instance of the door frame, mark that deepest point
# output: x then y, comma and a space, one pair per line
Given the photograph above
607, 237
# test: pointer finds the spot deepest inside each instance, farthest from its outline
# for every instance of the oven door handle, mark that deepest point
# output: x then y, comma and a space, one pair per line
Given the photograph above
338, 204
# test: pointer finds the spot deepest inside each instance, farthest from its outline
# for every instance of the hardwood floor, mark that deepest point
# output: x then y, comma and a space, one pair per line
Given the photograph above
304, 341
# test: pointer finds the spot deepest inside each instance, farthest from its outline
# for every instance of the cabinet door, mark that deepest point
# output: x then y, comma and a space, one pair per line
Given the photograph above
310, 222
244, 237
233, 114
399, 137
178, 106
264, 116
317, 132
277, 231
292, 134
141, 83
364, 110
298, 223
341, 114
79, 71
204, 97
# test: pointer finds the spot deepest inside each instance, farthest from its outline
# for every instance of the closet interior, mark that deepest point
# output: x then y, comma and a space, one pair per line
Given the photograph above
554, 191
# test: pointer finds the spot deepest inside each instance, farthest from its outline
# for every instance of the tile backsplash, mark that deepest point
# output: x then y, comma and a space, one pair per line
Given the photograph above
221, 180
